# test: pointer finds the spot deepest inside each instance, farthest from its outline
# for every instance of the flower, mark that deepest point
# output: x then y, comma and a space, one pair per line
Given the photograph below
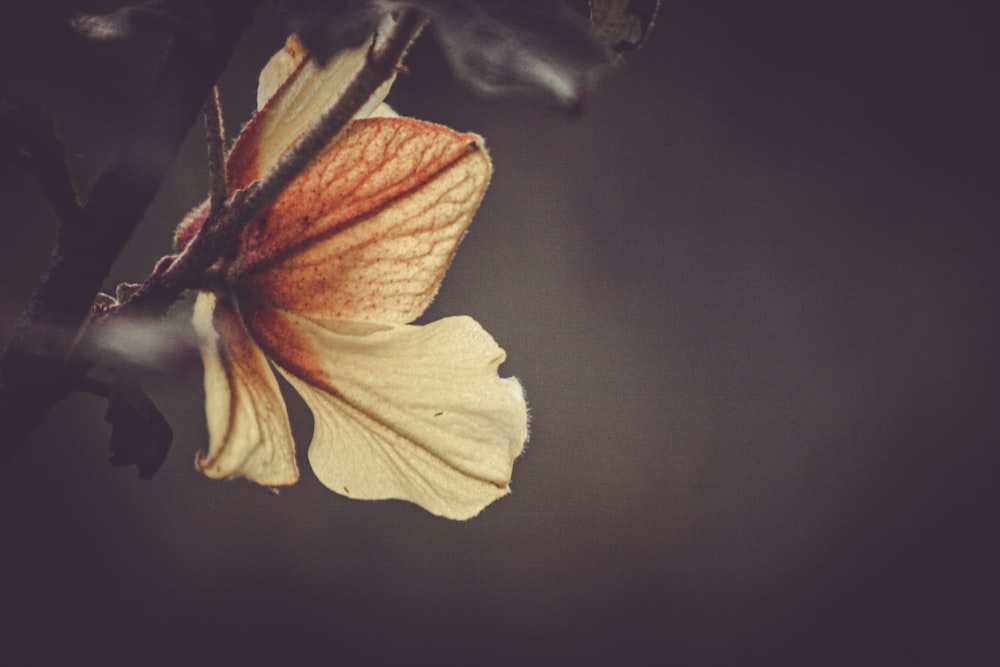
324, 283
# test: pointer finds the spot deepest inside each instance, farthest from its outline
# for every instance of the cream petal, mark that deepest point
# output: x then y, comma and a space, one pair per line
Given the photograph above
334, 76
417, 413
383, 111
249, 433
293, 92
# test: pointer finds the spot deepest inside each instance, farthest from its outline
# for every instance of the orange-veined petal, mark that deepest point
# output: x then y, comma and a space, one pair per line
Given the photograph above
417, 413
293, 92
249, 433
367, 231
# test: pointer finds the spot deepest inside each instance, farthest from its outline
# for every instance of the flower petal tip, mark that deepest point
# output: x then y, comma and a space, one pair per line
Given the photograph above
210, 468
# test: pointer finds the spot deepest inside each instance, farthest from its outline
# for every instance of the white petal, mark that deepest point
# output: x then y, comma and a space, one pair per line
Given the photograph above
249, 433
410, 412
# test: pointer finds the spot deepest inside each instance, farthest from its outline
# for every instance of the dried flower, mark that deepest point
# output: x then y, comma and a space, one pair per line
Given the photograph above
324, 283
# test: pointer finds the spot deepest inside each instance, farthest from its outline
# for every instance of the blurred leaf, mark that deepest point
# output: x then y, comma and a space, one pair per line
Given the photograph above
141, 436
144, 19
541, 49
108, 27
125, 49
537, 48
623, 25
329, 26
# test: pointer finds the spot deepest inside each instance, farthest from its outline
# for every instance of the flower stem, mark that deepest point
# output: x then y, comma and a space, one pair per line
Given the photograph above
384, 59
216, 139
223, 226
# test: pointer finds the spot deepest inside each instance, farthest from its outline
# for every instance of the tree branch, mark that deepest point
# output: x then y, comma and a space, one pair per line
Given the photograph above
42, 152
183, 272
216, 139
36, 369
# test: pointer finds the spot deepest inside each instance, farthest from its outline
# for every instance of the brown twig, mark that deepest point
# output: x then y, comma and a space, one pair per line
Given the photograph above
216, 139
382, 63
219, 230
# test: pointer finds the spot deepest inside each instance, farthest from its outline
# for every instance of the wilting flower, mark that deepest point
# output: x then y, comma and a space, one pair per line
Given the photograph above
324, 282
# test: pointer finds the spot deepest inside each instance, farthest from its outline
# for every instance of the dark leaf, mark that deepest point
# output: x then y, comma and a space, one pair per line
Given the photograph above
141, 436
126, 48
143, 19
540, 49
536, 48
329, 26
623, 25
28, 136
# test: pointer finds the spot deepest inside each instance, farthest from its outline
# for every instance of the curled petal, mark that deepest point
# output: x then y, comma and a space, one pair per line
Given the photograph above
249, 433
367, 232
407, 412
293, 93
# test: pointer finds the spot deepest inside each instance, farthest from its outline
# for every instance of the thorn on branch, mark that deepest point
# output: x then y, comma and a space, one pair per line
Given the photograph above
216, 140
225, 222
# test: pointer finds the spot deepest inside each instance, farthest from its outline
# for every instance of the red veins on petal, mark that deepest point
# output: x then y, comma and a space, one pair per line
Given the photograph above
368, 230
283, 344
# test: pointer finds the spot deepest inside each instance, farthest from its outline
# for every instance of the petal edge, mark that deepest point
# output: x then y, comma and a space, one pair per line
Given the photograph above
249, 432
417, 413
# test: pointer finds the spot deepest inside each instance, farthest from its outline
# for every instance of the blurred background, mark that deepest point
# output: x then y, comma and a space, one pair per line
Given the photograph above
752, 296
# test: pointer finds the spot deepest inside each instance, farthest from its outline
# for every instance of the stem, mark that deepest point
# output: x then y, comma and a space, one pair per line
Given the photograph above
382, 63
216, 140
37, 369
217, 233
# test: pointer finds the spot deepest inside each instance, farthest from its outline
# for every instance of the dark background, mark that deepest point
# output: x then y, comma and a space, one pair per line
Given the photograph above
752, 296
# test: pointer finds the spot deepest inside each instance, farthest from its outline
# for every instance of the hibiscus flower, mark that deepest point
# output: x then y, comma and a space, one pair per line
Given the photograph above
324, 282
